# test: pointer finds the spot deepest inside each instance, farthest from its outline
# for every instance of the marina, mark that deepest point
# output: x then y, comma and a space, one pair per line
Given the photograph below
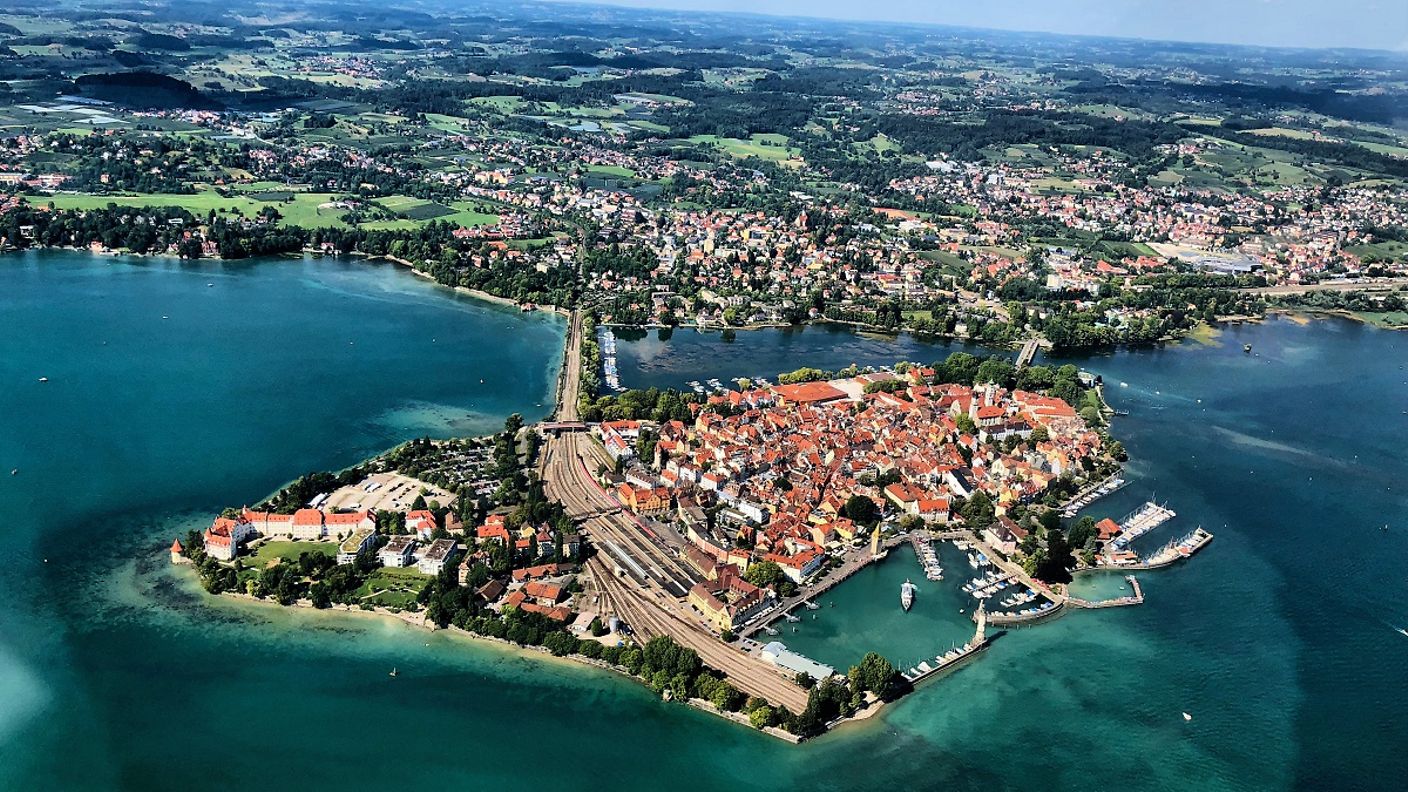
1139, 522
610, 373
1171, 553
1092, 494
928, 558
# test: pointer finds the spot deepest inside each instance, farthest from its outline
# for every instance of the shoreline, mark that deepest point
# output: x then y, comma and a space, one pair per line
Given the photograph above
417, 620
478, 294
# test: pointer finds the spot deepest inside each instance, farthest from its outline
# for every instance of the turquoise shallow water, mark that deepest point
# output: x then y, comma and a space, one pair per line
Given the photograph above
115, 673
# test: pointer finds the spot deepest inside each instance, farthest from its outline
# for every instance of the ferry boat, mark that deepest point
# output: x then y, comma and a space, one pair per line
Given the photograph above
907, 595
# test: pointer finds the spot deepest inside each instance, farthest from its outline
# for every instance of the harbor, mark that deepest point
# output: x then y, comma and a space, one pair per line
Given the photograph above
924, 669
611, 374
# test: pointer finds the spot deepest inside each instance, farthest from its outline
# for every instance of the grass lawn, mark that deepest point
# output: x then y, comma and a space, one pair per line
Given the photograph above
393, 587
1387, 319
946, 258
287, 550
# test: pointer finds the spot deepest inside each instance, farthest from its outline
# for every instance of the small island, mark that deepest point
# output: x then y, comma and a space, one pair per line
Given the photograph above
666, 537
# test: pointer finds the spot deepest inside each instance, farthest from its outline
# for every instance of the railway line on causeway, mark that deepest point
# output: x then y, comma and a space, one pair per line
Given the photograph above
649, 592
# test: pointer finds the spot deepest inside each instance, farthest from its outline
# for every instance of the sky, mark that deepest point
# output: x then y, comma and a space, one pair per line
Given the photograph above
1370, 24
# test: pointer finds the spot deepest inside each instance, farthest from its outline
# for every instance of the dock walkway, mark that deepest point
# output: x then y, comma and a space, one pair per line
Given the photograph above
1141, 521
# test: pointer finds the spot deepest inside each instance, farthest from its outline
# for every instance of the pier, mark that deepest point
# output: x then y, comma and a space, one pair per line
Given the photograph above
928, 558
1118, 602
925, 669
1141, 521
1091, 494
1169, 554
1043, 611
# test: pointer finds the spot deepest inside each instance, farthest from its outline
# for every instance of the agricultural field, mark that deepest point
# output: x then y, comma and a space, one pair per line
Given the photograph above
772, 147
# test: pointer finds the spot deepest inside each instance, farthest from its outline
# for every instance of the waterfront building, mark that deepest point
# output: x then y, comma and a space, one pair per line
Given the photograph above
437, 555
360, 540
398, 552
225, 536
727, 600
779, 655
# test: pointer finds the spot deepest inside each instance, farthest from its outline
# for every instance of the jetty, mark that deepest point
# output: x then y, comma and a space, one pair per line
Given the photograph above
1036, 613
1091, 494
1137, 598
928, 557
608, 360
1169, 554
1141, 521
955, 656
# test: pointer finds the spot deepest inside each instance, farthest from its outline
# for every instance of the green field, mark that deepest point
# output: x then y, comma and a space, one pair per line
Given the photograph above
612, 170
287, 551
392, 587
304, 209
768, 146
1388, 249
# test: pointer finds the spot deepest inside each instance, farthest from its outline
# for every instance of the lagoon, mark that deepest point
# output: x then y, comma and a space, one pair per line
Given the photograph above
117, 672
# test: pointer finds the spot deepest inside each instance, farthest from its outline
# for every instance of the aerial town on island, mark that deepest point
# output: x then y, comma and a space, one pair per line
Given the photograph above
671, 549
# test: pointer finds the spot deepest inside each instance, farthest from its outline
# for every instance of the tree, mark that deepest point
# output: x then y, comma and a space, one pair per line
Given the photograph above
1056, 565
965, 423
861, 509
763, 573
977, 511
876, 674
760, 717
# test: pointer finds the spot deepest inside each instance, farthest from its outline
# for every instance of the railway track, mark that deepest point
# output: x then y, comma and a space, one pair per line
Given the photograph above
648, 619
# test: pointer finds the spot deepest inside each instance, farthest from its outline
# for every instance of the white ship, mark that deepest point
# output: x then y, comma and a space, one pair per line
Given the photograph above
907, 595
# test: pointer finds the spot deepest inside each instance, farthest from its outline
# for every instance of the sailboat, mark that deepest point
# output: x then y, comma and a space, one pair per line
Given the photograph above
393, 673
1187, 717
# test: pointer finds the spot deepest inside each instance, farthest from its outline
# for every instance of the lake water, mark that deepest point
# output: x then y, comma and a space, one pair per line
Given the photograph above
671, 358
117, 673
